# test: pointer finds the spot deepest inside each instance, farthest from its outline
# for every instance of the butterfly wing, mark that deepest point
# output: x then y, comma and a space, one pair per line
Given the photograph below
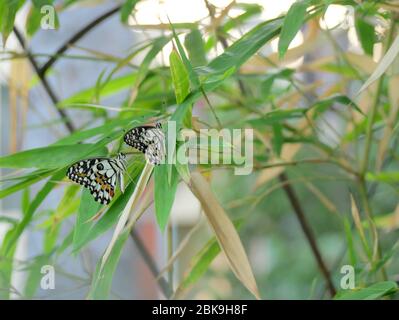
137, 138
98, 175
149, 140
155, 151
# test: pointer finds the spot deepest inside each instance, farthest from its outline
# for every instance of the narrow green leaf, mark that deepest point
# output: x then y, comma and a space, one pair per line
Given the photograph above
365, 33
322, 105
28, 181
195, 46
387, 176
49, 157
40, 196
101, 284
293, 21
6, 264
34, 276
241, 50
192, 74
349, 239
88, 208
372, 292
164, 193
8, 11
180, 79
181, 82
113, 86
127, 9
202, 260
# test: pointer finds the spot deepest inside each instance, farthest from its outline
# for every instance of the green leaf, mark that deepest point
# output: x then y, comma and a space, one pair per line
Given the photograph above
34, 276
180, 78
88, 208
35, 16
202, 260
25, 201
113, 86
102, 281
28, 181
164, 192
181, 82
372, 292
191, 73
387, 176
8, 11
6, 264
349, 239
250, 10
293, 21
365, 33
50, 157
278, 116
200, 263
278, 138
127, 9
322, 105
196, 48
241, 50
10, 244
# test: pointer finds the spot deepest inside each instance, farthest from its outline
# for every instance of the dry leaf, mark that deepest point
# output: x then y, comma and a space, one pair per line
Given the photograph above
383, 65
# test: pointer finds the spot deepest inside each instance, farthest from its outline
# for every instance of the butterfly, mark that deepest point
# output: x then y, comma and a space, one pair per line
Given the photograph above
100, 176
150, 140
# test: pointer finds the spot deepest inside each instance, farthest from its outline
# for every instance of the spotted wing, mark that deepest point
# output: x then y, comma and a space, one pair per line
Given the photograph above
99, 175
148, 139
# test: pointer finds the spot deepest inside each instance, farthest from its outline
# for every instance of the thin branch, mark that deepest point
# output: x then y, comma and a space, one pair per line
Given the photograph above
43, 80
163, 284
307, 231
76, 37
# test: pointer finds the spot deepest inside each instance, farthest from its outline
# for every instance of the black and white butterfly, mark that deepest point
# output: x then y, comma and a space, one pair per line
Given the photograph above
148, 139
100, 176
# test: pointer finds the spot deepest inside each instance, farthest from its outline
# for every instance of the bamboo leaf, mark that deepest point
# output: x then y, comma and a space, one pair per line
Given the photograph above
49, 157
40, 196
383, 65
164, 193
365, 33
102, 279
88, 208
372, 292
293, 21
196, 48
181, 82
8, 11
127, 9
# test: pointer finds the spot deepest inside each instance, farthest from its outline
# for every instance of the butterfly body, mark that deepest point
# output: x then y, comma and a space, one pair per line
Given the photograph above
100, 176
149, 140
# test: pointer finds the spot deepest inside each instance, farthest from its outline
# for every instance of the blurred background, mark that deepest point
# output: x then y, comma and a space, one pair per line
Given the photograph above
279, 253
